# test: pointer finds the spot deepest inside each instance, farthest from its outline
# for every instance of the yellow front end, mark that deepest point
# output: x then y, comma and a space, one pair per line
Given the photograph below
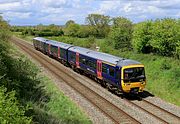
129, 86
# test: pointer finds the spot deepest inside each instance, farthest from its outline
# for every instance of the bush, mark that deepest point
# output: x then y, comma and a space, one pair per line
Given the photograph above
142, 36
121, 33
159, 37
10, 111
72, 30
165, 37
165, 65
84, 32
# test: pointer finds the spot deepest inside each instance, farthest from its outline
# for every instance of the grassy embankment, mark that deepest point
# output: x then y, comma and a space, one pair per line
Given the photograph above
51, 105
163, 73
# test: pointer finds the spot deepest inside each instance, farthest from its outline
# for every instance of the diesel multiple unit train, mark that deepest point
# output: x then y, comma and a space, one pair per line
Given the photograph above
118, 74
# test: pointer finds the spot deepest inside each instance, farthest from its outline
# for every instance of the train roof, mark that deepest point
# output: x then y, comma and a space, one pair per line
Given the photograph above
60, 44
104, 56
40, 39
53, 42
90, 53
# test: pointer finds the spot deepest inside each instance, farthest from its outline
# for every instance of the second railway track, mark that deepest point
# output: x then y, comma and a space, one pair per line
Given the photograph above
156, 111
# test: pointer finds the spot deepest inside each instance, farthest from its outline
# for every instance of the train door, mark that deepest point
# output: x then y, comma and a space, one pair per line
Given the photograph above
58, 52
77, 60
99, 69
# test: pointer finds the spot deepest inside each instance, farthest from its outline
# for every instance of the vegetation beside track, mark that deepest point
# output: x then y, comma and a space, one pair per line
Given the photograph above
26, 95
155, 43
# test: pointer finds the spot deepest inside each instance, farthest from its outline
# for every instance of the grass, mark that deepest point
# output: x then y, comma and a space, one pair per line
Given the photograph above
61, 107
27, 38
163, 73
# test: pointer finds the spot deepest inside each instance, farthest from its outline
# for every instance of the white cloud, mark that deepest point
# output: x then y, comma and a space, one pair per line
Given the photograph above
11, 15
59, 11
128, 7
8, 1
9, 6
107, 6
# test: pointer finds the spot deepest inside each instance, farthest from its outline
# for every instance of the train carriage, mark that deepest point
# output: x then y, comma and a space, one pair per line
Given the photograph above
57, 50
39, 43
116, 73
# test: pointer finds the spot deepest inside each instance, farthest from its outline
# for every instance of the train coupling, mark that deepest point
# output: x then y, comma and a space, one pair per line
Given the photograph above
134, 90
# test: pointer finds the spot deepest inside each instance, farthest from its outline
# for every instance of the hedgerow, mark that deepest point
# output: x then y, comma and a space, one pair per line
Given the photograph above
10, 110
161, 37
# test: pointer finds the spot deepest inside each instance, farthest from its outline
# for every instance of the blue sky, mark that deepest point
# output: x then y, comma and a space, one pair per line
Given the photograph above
33, 12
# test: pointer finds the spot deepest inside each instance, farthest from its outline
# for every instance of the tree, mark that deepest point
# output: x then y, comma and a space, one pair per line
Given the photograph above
142, 36
4, 29
121, 33
69, 22
84, 31
72, 29
165, 36
100, 24
160, 36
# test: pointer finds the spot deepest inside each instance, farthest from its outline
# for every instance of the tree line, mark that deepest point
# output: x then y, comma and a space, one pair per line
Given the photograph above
160, 36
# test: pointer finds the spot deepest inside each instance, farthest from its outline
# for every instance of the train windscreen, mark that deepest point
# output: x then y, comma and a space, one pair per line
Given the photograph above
136, 74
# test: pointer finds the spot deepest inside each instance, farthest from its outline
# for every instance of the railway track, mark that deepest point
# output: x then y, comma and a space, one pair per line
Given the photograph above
156, 111
107, 108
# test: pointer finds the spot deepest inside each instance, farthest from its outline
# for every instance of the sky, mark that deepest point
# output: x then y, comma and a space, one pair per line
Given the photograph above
34, 12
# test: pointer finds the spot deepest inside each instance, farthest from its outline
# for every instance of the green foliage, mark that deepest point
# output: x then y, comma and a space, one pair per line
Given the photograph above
69, 22
121, 33
72, 29
4, 29
10, 111
165, 65
142, 36
177, 52
85, 31
99, 23
39, 30
161, 37
83, 42
165, 36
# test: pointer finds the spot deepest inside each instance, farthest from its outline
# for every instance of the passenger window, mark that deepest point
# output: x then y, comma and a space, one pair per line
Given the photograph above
62, 53
104, 68
111, 71
72, 57
82, 60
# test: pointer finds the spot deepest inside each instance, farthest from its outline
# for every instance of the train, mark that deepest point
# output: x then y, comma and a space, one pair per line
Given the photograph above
123, 76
